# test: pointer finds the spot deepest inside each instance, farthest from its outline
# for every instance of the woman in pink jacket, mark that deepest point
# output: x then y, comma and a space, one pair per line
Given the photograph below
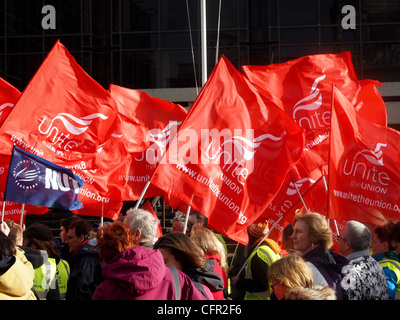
133, 272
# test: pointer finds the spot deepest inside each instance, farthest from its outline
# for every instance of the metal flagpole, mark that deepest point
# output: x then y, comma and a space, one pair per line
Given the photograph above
334, 221
187, 215
203, 18
22, 214
298, 192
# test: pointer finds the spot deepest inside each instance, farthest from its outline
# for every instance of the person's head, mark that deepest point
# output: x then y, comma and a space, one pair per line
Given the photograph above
257, 231
16, 232
287, 241
311, 229
113, 239
354, 237
178, 223
39, 236
289, 272
143, 223
78, 232
64, 227
179, 250
7, 247
382, 238
196, 220
208, 241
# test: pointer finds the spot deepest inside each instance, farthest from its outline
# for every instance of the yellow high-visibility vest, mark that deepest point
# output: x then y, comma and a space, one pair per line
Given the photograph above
268, 256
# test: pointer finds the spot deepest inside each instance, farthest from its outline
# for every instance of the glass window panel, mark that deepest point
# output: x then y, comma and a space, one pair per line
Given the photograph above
177, 40
381, 11
298, 35
229, 14
382, 61
139, 15
173, 14
381, 33
298, 12
338, 34
140, 41
177, 69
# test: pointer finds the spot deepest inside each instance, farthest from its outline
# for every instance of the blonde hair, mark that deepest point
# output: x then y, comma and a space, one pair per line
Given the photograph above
319, 231
208, 241
291, 271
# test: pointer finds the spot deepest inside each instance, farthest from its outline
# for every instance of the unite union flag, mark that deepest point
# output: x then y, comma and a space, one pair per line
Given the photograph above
364, 180
244, 146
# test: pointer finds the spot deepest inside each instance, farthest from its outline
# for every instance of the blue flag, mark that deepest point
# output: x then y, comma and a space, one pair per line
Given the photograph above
36, 181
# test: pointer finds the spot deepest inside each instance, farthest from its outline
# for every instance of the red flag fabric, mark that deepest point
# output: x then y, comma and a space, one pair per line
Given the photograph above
369, 103
161, 120
302, 87
66, 114
231, 154
364, 180
71, 123
147, 206
8, 96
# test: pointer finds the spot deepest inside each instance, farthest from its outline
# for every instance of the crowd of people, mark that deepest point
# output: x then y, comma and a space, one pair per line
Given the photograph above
122, 260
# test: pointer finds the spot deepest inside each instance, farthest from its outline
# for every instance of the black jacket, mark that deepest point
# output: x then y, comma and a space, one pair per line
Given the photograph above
86, 268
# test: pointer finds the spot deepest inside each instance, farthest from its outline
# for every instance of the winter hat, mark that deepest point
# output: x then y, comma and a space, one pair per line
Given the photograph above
38, 231
259, 229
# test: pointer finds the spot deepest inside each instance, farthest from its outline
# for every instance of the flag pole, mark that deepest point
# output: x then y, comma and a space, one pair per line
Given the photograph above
326, 188
4, 208
298, 192
142, 195
186, 219
22, 214
187, 215
259, 243
102, 214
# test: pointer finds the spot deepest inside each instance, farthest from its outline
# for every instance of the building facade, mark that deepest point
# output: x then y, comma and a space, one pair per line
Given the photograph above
154, 45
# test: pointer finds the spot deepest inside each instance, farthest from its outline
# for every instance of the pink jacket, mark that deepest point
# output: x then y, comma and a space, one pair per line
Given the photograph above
139, 273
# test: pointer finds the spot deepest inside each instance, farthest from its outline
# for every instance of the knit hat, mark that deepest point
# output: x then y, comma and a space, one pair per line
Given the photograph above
38, 231
259, 229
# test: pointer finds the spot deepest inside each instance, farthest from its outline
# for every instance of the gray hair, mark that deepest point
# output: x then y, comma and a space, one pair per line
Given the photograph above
140, 219
359, 235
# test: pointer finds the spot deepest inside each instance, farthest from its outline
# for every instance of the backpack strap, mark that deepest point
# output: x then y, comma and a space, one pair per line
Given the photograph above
177, 282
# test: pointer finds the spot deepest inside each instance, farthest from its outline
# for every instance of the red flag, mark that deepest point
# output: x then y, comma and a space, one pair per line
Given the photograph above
369, 103
8, 96
303, 88
161, 120
231, 154
364, 180
71, 123
63, 115
147, 206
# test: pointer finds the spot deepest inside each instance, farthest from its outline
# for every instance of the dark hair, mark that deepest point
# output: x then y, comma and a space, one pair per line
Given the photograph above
82, 227
66, 223
385, 233
184, 249
7, 247
39, 236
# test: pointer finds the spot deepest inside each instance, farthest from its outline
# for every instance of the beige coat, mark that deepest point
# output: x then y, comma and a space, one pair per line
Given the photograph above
16, 283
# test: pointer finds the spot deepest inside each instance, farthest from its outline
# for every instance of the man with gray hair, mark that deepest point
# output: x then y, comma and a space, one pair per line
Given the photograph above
143, 224
364, 278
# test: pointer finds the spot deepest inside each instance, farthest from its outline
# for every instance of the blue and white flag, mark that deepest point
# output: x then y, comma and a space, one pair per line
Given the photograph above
36, 181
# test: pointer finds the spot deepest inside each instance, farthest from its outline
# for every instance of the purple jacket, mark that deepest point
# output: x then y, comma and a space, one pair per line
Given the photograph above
139, 273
